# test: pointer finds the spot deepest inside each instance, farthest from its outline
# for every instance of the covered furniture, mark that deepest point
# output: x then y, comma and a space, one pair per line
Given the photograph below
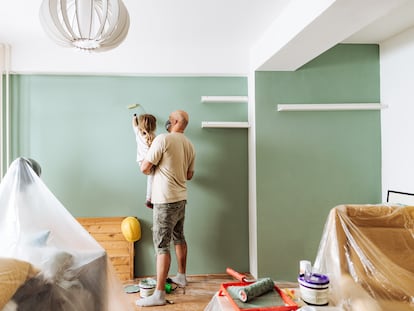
48, 261
368, 253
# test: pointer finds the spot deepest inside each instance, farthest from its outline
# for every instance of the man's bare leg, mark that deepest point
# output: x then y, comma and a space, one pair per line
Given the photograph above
181, 253
158, 298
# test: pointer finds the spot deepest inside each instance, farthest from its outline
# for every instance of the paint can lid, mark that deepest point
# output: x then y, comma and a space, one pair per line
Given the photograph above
315, 280
147, 283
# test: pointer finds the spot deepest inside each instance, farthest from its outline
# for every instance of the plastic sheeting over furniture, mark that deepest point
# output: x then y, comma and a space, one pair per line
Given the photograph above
48, 261
368, 253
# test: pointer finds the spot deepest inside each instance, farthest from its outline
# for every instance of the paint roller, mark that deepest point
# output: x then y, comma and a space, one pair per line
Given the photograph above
256, 289
134, 106
252, 290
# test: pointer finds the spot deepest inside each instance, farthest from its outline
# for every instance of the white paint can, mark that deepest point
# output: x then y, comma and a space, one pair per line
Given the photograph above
147, 287
314, 290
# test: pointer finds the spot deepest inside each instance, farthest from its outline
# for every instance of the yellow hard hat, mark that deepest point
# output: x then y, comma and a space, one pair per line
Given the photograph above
131, 229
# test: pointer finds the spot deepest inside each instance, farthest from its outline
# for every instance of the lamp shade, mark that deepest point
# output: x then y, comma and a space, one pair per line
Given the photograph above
88, 25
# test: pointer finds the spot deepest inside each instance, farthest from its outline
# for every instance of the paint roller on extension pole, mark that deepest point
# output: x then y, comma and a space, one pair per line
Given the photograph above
254, 288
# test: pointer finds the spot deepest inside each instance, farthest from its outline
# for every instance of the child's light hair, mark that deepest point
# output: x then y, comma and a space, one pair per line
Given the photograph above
147, 125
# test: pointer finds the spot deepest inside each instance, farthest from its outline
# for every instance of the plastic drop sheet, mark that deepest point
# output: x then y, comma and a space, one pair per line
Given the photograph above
48, 261
368, 253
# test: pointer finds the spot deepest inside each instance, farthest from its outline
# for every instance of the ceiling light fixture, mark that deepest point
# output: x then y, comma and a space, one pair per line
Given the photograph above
88, 25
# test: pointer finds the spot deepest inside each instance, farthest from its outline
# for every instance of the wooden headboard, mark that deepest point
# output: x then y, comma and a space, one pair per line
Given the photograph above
107, 232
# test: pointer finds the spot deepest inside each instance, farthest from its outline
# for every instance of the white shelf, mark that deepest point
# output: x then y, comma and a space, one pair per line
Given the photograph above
330, 107
209, 124
224, 99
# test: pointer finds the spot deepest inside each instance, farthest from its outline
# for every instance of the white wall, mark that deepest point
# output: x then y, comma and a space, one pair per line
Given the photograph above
397, 121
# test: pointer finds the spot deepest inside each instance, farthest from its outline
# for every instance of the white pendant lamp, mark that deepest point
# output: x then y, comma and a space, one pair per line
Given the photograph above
88, 25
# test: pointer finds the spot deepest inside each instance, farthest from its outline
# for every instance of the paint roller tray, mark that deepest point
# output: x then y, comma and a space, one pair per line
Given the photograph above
275, 300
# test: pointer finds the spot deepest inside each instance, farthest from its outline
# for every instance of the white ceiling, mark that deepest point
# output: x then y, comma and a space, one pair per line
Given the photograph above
394, 22
209, 37
189, 23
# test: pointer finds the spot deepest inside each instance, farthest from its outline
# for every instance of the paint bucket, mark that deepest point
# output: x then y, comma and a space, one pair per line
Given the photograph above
314, 290
147, 287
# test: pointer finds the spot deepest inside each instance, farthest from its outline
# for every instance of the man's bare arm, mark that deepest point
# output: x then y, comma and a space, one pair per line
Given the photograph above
146, 167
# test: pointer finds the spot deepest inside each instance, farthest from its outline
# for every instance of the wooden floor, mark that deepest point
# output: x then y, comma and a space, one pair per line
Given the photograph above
198, 293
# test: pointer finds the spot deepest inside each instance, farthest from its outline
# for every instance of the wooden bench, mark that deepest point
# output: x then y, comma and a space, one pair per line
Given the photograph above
107, 232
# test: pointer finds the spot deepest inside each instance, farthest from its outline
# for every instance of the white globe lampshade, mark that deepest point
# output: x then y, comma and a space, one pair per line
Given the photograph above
88, 25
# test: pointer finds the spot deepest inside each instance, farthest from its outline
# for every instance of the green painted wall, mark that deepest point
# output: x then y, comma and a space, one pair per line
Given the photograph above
79, 129
309, 162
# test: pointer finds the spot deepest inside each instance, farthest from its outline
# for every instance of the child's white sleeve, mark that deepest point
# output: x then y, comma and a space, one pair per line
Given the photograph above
142, 147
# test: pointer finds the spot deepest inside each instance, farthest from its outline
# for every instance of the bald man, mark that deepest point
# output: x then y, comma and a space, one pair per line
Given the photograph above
172, 155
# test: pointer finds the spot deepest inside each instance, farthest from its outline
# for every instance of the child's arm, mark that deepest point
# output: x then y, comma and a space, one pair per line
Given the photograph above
134, 120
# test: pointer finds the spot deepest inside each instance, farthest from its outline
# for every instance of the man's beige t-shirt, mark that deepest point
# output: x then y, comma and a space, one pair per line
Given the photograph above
173, 156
